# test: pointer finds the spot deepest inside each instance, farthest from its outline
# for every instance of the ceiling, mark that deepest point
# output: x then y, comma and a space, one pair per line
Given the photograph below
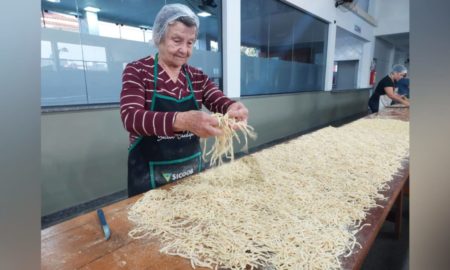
282, 28
138, 12
272, 22
256, 18
400, 41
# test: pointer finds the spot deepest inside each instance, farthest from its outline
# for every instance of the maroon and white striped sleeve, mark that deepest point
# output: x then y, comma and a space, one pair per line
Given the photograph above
136, 118
213, 98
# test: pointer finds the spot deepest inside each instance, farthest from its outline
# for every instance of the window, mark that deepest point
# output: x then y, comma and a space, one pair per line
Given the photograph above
47, 55
61, 21
364, 5
347, 56
70, 56
214, 45
132, 33
84, 51
148, 35
107, 29
282, 49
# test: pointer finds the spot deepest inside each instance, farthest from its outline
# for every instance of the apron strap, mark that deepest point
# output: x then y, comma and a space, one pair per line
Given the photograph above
155, 75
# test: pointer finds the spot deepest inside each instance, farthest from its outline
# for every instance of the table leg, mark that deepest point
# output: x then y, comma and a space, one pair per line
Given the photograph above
406, 188
398, 214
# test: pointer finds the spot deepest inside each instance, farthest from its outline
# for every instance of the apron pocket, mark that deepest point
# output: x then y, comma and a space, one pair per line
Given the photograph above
164, 172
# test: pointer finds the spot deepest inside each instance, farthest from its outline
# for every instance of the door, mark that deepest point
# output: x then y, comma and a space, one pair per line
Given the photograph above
346, 74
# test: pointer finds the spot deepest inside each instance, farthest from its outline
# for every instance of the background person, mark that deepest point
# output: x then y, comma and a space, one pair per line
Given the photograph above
384, 93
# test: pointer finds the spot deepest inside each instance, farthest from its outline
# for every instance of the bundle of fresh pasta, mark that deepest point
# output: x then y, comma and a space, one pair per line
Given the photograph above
223, 144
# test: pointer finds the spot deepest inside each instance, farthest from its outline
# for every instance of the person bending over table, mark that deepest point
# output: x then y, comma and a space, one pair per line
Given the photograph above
384, 92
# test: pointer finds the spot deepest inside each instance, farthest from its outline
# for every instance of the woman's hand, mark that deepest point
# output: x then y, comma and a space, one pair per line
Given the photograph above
238, 111
197, 122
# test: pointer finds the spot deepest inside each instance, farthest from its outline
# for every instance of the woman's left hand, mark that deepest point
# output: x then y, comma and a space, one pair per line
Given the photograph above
238, 111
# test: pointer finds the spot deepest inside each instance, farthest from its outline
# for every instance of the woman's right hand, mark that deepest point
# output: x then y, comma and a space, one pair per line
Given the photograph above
197, 122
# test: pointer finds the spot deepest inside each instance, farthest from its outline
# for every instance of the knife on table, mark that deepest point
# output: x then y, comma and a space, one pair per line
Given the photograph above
104, 224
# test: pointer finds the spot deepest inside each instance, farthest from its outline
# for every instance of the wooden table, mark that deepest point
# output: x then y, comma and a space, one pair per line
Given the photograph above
394, 195
79, 243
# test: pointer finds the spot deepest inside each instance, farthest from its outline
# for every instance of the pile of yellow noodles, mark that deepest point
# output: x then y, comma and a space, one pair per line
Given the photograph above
297, 205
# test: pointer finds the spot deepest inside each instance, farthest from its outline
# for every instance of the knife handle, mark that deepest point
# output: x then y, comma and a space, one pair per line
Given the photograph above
104, 225
101, 216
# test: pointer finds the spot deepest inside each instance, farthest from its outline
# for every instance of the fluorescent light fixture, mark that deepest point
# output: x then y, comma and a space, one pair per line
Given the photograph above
204, 14
92, 9
54, 1
145, 27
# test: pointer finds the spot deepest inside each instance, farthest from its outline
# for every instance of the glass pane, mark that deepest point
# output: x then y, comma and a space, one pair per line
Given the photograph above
148, 35
206, 57
95, 58
347, 54
59, 20
282, 49
107, 29
111, 37
47, 61
69, 51
86, 47
364, 5
62, 69
132, 33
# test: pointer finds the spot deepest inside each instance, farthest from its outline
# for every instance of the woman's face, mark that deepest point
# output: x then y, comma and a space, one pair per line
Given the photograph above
176, 46
398, 75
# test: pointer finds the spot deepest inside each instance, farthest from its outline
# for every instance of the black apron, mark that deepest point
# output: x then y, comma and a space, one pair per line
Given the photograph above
154, 161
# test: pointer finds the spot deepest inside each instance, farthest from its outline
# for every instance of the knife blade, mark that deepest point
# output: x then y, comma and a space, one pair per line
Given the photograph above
104, 224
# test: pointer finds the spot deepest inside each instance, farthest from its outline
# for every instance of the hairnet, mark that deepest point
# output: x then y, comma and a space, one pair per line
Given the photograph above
169, 14
399, 69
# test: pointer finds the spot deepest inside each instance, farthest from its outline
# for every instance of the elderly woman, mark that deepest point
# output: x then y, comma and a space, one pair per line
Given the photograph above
384, 92
160, 105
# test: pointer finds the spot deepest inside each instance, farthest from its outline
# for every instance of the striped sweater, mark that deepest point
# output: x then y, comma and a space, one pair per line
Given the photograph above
138, 89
